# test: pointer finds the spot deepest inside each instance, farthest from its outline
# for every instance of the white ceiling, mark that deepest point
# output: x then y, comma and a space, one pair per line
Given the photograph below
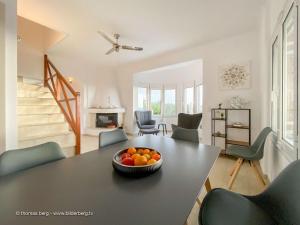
157, 25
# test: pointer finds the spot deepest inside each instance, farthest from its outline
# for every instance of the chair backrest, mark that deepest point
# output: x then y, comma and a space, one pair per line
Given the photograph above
183, 134
112, 137
259, 144
189, 121
16, 160
281, 198
142, 117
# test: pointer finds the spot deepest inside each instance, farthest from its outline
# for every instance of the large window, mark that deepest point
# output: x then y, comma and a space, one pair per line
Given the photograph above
142, 98
189, 100
284, 117
169, 102
290, 77
155, 101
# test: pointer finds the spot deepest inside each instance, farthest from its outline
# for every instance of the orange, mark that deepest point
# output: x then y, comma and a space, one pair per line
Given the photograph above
156, 156
146, 151
140, 151
151, 161
135, 155
147, 156
152, 153
140, 161
131, 151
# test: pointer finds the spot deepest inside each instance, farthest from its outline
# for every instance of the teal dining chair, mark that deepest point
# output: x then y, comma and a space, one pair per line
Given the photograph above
12, 161
183, 134
112, 137
278, 204
251, 154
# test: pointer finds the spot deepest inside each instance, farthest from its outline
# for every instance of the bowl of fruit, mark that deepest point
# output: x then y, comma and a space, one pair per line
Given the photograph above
137, 161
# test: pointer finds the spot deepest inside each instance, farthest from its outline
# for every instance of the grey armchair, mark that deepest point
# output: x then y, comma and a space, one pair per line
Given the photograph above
278, 204
252, 154
112, 137
21, 159
145, 122
189, 121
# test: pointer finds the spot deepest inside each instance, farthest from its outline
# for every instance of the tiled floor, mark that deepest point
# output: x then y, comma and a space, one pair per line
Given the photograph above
246, 182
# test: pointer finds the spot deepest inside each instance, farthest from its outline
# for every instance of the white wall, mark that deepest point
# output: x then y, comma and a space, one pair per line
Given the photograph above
235, 49
8, 77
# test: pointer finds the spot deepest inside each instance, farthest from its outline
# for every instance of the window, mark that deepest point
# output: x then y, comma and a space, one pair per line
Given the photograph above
189, 100
289, 78
142, 98
199, 98
155, 101
169, 102
284, 95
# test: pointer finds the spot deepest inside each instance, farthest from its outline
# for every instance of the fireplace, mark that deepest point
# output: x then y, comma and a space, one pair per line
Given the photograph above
106, 120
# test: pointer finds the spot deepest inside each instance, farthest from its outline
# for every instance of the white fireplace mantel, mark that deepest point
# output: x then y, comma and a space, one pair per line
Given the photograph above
106, 110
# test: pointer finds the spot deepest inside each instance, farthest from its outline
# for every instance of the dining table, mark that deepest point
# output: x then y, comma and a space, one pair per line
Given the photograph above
86, 190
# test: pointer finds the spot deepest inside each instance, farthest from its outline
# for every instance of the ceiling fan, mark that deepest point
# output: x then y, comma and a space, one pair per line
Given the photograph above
115, 44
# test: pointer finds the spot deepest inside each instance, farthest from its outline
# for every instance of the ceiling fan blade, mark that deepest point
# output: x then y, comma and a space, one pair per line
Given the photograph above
106, 37
110, 51
132, 48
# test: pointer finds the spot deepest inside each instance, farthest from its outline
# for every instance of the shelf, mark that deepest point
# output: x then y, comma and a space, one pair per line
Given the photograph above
228, 109
219, 135
238, 127
241, 143
218, 118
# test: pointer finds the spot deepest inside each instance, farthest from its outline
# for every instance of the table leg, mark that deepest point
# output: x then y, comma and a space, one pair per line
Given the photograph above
166, 129
207, 185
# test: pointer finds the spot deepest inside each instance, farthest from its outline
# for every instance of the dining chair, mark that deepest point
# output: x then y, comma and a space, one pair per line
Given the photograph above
190, 135
184, 134
278, 204
252, 154
112, 137
12, 161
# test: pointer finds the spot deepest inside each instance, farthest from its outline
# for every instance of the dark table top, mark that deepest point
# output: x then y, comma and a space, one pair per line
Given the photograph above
88, 183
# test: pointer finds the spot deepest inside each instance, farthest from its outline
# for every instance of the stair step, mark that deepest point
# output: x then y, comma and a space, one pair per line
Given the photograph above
32, 131
36, 101
32, 87
66, 141
45, 136
33, 94
40, 119
36, 110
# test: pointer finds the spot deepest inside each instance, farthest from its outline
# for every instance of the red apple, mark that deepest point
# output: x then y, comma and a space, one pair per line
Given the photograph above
128, 161
125, 155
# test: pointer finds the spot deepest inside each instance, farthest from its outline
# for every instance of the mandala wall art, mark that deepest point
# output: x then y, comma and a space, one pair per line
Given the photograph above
234, 76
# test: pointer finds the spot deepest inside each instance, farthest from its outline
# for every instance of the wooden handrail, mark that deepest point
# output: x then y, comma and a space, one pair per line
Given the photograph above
64, 94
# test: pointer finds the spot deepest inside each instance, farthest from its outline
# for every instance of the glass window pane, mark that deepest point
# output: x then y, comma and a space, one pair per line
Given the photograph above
155, 96
199, 96
276, 81
290, 78
189, 100
142, 98
170, 102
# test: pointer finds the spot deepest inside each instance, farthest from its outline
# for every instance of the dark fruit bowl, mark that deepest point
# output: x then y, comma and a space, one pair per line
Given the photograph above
135, 171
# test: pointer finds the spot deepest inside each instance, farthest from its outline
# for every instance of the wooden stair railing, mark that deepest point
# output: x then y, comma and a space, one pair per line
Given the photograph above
65, 96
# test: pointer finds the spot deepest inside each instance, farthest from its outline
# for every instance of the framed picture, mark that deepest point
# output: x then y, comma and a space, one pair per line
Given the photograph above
235, 76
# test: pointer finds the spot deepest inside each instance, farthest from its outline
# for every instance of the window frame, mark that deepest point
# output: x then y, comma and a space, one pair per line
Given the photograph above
289, 151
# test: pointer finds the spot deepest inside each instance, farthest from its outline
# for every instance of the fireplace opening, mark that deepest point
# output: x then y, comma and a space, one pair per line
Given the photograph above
107, 120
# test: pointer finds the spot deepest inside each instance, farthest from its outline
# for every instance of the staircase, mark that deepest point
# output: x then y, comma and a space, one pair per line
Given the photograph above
40, 119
